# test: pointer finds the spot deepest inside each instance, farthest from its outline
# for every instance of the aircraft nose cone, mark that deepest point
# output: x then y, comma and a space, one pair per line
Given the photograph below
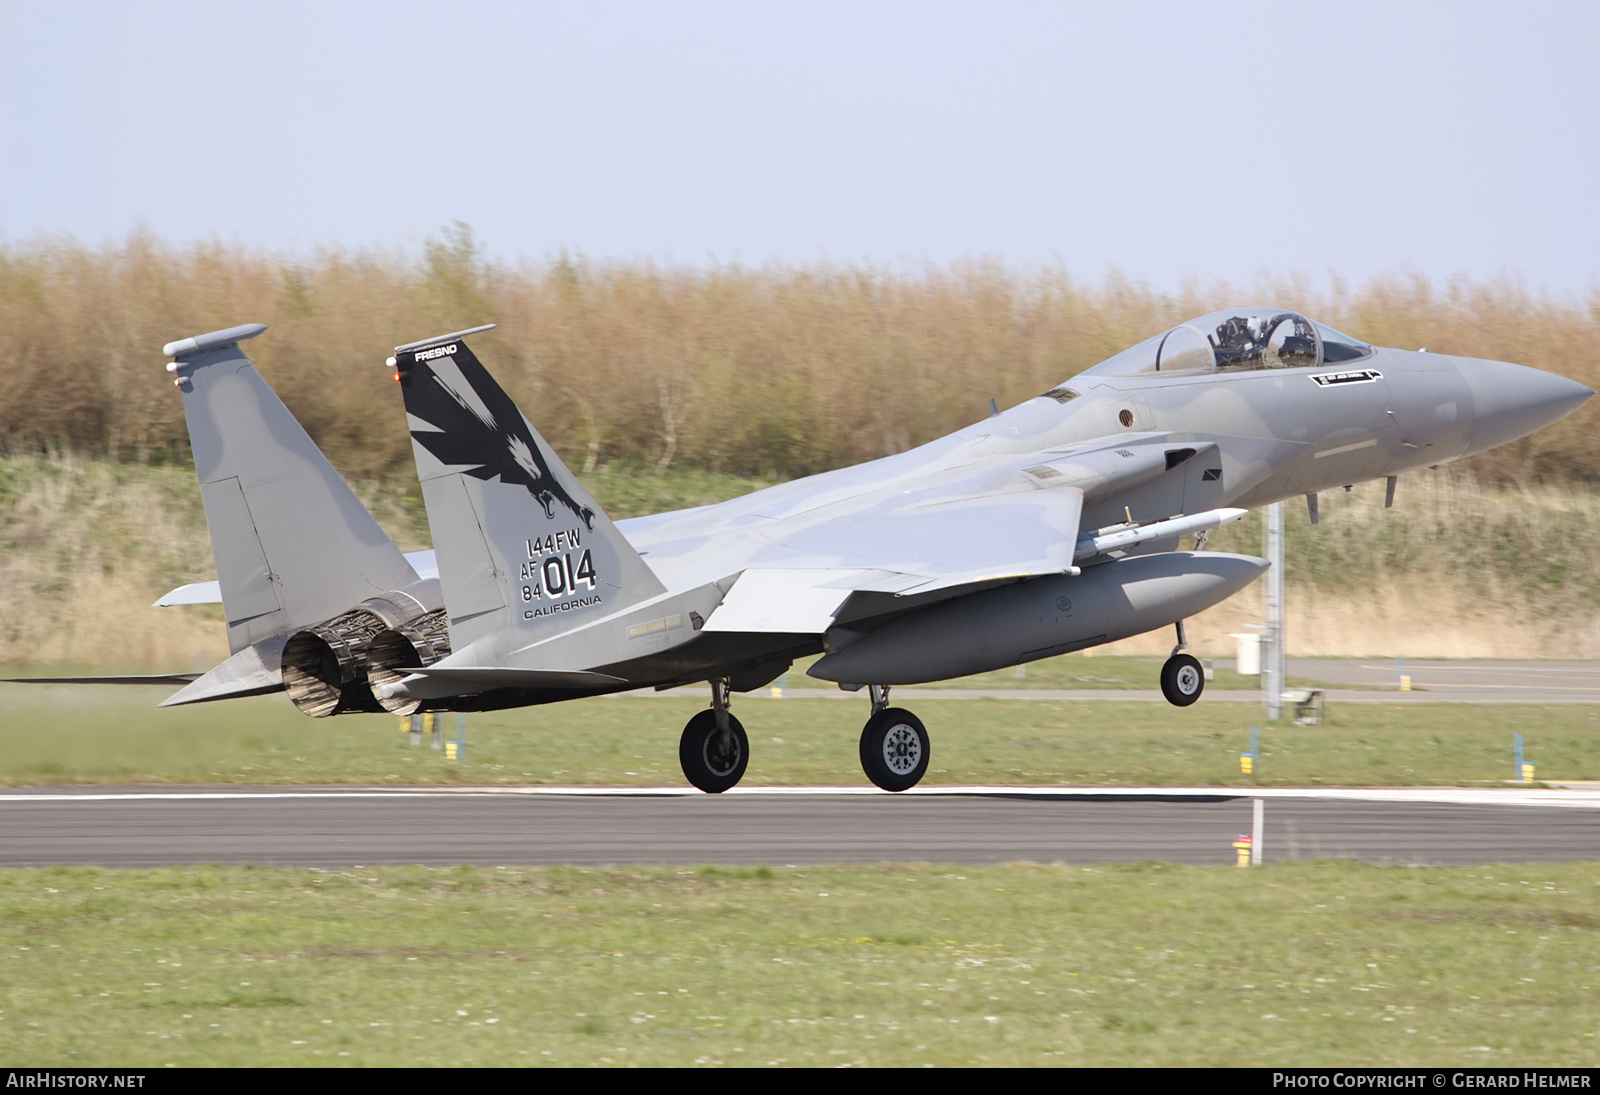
1512, 401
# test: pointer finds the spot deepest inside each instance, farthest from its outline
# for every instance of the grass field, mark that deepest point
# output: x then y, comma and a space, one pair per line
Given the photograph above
55, 734
1299, 964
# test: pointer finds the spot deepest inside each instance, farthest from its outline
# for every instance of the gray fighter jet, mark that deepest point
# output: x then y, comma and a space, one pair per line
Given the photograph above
1050, 528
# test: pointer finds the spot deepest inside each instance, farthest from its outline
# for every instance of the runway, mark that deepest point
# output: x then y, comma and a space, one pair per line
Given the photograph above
1366, 680
345, 827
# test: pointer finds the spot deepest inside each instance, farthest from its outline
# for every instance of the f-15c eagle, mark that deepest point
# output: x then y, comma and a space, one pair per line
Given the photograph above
1049, 528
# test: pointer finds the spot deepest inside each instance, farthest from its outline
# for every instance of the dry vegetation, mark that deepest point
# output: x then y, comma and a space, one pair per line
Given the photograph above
642, 377
779, 371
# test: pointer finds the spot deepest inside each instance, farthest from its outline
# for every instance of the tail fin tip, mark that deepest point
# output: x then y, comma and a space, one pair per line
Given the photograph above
440, 340
212, 340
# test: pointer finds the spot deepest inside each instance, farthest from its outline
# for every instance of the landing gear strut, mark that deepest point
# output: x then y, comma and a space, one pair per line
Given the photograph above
894, 744
1182, 679
714, 749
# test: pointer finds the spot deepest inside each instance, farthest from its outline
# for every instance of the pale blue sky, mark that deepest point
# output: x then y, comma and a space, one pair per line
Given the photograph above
1169, 140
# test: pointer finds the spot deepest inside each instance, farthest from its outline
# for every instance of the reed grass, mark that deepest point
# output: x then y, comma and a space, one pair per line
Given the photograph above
775, 371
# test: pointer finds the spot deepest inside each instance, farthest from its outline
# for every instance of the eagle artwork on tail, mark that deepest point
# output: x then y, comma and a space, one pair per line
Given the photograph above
482, 429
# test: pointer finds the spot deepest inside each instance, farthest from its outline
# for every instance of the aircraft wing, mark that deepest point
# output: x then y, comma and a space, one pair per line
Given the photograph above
906, 543
911, 545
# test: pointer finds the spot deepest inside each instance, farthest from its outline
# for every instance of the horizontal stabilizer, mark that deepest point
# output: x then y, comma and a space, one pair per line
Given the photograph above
152, 678
491, 676
253, 671
210, 593
195, 593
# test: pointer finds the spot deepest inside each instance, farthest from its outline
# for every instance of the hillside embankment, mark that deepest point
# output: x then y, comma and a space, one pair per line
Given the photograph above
670, 387
1455, 569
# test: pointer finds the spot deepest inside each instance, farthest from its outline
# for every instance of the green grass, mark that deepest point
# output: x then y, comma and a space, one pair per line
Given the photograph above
86, 734
1297, 964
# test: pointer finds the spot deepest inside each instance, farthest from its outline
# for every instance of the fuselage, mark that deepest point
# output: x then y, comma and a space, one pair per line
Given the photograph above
1219, 415
1278, 433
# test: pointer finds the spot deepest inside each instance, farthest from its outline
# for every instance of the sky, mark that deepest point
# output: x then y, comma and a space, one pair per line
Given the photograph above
1167, 141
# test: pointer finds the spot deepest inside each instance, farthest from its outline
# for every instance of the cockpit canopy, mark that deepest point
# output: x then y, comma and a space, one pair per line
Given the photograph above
1235, 341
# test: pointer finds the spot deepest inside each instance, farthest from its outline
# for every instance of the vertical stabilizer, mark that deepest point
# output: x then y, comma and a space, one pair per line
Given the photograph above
522, 547
293, 544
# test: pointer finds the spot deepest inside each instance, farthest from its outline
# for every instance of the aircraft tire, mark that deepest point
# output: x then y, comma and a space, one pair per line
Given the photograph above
894, 749
1182, 680
710, 764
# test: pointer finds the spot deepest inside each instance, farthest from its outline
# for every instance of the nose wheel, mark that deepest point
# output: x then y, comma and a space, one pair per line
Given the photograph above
894, 745
1182, 680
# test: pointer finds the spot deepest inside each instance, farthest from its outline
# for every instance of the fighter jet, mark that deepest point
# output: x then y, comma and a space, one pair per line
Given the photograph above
1049, 528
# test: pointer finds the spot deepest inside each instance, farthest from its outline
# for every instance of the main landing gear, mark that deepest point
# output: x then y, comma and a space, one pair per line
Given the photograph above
894, 744
1182, 679
714, 749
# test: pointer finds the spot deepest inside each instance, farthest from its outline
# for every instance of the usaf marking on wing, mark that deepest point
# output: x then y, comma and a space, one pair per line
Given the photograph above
1048, 528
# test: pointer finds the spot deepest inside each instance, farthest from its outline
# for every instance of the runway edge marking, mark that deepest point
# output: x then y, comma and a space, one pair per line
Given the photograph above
1461, 796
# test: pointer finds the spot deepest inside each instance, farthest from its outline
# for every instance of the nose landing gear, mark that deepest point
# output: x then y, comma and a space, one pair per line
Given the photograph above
1182, 679
894, 744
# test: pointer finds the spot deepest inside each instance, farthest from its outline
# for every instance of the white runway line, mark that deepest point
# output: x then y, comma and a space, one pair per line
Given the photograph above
1583, 799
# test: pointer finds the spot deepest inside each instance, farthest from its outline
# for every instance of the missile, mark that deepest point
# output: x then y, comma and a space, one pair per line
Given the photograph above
1103, 540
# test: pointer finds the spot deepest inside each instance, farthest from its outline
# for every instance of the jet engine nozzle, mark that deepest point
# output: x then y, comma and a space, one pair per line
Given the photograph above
395, 652
325, 666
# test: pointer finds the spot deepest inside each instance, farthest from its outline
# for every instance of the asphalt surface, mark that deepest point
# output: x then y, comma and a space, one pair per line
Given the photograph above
345, 827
